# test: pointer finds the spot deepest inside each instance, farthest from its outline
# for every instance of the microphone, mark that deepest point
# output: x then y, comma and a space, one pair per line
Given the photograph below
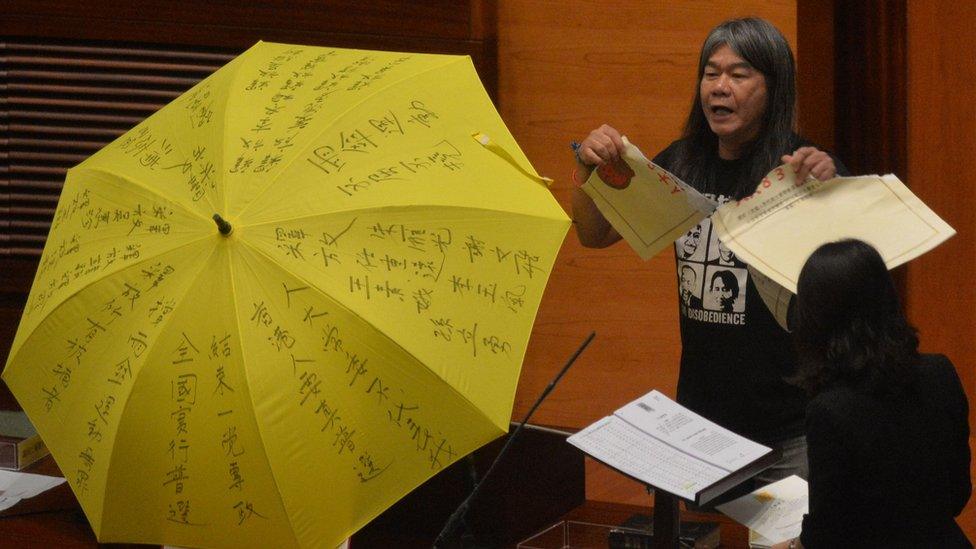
458, 515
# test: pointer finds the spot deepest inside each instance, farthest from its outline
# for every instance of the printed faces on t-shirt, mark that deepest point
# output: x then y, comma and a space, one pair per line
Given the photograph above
711, 279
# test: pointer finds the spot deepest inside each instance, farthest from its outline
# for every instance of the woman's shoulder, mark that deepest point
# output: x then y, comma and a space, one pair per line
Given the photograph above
836, 400
934, 360
936, 369
930, 372
835, 413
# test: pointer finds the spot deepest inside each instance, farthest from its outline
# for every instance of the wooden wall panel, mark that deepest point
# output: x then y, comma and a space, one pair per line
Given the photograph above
941, 101
815, 70
941, 300
565, 67
871, 118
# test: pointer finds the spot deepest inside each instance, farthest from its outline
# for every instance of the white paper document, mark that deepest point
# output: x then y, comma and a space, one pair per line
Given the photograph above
646, 204
661, 443
775, 512
777, 228
776, 297
15, 486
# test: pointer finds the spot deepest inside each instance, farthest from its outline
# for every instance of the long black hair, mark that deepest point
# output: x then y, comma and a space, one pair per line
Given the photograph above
729, 280
849, 326
765, 48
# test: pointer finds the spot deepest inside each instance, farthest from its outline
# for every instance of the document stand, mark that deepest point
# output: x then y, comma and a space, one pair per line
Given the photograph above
675, 451
666, 517
667, 520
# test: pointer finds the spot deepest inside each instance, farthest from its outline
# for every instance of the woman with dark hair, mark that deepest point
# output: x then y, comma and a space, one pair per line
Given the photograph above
740, 126
887, 428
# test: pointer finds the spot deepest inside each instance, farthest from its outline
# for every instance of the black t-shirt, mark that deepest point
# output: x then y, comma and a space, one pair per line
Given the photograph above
734, 355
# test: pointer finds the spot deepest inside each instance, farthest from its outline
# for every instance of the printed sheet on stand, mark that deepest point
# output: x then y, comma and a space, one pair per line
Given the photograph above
662, 443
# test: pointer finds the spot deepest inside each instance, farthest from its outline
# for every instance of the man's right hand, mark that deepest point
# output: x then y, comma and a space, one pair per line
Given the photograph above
603, 145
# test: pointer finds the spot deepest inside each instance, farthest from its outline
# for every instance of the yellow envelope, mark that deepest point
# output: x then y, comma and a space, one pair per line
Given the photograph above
648, 206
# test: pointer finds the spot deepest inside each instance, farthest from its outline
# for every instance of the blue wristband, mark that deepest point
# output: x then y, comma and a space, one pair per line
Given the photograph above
575, 145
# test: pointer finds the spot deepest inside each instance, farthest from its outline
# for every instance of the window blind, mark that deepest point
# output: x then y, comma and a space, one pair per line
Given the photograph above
60, 101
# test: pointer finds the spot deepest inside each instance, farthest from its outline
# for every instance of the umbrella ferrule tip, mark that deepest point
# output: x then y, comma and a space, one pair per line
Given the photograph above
223, 226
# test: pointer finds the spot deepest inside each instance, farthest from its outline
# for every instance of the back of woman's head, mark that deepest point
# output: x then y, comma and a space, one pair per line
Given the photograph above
849, 324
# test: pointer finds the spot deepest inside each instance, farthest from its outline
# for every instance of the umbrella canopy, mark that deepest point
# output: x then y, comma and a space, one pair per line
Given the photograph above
286, 299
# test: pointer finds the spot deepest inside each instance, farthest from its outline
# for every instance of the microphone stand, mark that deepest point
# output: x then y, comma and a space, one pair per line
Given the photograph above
462, 509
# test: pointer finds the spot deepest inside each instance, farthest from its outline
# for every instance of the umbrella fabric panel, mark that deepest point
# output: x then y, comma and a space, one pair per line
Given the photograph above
403, 141
74, 374
351, 421
102, 225
178, 151
286, 96
457, 288
189, 466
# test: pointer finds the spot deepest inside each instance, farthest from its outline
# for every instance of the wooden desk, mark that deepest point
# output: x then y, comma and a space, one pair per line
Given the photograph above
54, 519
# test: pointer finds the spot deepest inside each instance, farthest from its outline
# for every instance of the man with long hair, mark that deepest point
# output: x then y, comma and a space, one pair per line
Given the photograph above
740, 126
887, 426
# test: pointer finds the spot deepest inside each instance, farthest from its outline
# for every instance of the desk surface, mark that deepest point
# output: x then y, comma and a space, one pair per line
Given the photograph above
54, 519
734, 535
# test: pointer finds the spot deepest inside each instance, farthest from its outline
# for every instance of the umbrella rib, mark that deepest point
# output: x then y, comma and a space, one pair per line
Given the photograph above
338, 303
95, 280
99, 527
225, 121
161, 330
389, 208
247, 386
451, 60
154, 192
311, 284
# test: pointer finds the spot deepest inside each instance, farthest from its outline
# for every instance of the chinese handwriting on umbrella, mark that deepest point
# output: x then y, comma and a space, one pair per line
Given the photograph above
286, 299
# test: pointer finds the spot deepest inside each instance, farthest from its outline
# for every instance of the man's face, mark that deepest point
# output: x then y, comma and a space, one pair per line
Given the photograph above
688, 280
724, 253
690, 243
733, 98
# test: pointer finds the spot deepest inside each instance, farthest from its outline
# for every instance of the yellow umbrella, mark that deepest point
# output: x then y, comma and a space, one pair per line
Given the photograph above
352, 323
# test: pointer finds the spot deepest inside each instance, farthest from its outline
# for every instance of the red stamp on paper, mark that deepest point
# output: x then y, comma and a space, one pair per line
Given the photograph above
617, 174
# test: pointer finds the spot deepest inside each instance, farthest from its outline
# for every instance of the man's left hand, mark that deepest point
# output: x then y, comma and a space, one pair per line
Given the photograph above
811, 161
